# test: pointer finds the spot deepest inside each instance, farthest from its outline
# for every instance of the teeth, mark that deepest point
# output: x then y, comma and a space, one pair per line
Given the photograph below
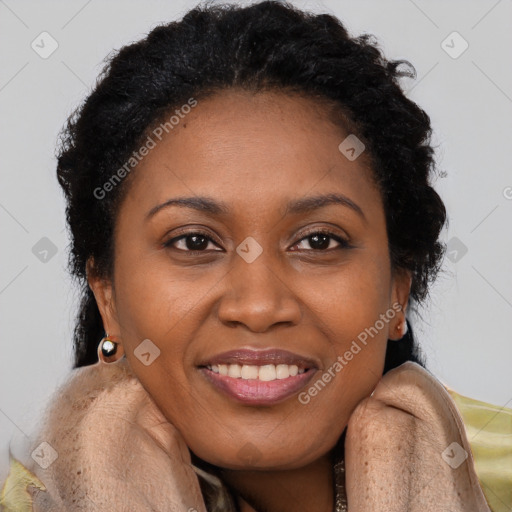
265, 373
249, 372
282, 371
235, 371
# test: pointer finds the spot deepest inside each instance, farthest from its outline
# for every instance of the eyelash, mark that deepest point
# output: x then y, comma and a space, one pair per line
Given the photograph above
319, 231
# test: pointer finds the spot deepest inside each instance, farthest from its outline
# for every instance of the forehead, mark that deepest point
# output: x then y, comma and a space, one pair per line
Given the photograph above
251, 148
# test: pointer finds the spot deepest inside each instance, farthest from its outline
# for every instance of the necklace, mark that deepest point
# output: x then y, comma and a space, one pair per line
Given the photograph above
340, 494
339, 487
340, 504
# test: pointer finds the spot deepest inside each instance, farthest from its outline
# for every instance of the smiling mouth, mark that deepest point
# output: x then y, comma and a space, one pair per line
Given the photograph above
258, 377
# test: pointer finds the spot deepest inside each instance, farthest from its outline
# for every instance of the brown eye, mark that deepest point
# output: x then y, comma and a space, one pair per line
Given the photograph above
190, 242
323, 240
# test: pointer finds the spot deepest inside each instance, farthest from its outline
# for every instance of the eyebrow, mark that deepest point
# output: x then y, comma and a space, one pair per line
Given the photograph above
304, 205
309, 204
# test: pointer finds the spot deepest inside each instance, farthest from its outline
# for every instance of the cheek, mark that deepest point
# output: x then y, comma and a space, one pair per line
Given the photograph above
355, 313
149, 307
168, 309
353, 304
349, 376
151, 301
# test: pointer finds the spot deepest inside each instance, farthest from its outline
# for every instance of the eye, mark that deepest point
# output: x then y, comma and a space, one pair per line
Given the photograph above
194, 241
198, 241
322, 240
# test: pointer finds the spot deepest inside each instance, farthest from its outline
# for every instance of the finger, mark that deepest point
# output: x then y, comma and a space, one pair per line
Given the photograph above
395, 444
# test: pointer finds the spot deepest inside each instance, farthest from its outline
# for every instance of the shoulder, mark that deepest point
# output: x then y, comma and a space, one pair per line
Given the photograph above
489, 431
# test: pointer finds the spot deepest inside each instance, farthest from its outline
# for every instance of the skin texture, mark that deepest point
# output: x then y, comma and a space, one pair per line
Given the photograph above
255, 153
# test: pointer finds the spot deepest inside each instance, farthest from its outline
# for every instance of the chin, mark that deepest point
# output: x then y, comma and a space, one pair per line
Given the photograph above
256, 457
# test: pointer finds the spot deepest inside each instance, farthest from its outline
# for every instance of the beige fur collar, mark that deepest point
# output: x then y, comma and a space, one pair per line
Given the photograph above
115, 450
105, 446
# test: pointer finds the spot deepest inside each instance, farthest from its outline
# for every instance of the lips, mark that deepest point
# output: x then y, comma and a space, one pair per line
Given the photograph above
258, 377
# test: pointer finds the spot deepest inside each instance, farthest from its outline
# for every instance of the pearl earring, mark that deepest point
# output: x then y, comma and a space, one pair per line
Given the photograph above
109, 350
402, 328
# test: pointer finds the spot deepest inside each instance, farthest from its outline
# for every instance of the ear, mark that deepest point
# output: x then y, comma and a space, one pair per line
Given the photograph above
103, 291
400, 291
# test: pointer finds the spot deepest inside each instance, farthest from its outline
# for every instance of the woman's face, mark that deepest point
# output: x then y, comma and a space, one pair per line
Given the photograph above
260, 290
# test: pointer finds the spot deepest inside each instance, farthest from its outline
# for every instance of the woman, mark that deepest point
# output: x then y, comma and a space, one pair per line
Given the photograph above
251, 215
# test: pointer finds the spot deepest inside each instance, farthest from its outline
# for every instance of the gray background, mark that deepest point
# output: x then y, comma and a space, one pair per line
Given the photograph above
465, 331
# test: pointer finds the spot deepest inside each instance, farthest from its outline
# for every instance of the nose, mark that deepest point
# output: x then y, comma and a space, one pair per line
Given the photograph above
258, 297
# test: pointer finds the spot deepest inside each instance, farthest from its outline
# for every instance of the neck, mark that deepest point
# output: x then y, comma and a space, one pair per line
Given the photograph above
298, 490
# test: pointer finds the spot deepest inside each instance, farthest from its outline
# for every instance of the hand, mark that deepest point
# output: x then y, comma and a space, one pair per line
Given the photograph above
394, 444
116, 451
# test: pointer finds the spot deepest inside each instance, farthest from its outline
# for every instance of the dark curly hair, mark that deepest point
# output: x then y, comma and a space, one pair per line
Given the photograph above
265, 46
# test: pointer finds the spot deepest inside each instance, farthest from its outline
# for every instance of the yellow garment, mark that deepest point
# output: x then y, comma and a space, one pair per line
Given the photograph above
15, 496
489, 432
